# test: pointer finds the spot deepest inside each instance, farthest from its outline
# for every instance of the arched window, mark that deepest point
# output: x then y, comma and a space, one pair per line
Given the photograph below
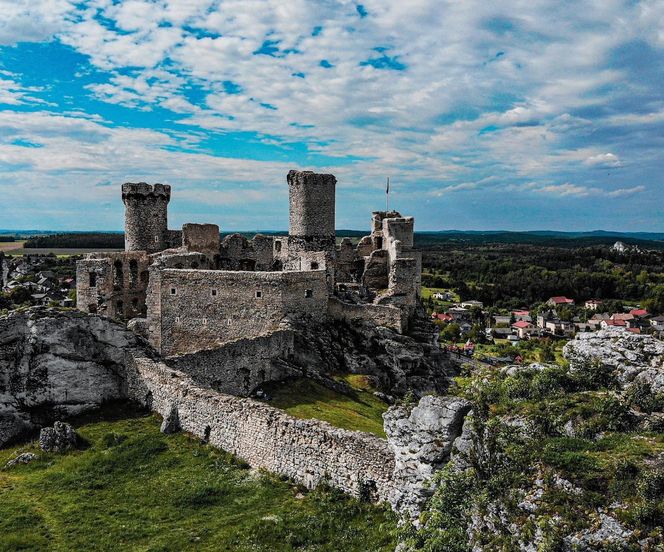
145, 276
118, 277
92, 308
119, 307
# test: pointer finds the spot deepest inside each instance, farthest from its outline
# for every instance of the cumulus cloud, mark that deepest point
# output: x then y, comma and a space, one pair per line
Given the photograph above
449, 97
603, 160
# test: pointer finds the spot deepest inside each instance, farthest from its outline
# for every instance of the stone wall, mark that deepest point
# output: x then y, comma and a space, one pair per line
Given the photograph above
146, 216
381, 315
239, 367
201, 238
191, 310
401, 229
308, 451
113, 284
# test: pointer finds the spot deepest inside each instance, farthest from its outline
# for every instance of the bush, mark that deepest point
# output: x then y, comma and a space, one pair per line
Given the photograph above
640, 394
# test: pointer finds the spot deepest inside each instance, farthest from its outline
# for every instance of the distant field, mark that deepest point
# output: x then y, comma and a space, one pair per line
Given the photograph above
17, 249
8, 246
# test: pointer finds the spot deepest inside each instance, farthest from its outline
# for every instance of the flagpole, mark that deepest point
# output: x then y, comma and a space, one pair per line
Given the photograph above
387, 195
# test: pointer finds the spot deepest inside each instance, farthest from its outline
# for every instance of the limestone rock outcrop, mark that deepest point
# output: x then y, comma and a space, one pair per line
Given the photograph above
634, 357
399, 363
55, 364
421, 438
59, 438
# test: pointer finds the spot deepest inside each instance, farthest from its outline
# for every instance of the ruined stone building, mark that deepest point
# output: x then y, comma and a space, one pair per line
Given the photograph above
189, 290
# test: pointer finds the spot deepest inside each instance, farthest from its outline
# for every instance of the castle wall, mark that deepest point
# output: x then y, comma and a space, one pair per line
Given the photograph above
146, 216
400, 228
201, 309
381, 315
239, 367
113, 285
310, 452
201, 238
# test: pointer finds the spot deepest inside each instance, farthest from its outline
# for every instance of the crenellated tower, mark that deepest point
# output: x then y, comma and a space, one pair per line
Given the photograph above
312, 211
146, 216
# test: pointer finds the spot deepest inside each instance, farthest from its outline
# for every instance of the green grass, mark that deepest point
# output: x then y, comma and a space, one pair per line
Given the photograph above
306, 399
136, 489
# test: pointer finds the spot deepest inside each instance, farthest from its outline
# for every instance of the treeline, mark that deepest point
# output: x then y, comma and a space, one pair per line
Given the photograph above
7, 239
98, 240
514, 275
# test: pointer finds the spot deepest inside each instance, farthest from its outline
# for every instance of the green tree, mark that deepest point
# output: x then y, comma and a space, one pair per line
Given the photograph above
451, 332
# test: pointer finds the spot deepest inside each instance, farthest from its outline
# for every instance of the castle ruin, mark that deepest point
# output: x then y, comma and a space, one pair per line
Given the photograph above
187, 290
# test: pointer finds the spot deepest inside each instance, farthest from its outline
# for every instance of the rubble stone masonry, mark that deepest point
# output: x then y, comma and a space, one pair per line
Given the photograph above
309, 451
191, 310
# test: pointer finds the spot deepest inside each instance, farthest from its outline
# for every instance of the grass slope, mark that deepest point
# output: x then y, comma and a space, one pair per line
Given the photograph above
306, 399
136, 489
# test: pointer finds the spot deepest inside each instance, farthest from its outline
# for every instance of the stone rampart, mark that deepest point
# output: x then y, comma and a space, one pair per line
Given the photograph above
381, 315
239, 367
308, 451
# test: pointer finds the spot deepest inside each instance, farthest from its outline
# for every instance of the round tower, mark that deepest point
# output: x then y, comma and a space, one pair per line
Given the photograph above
146, 216
312, 204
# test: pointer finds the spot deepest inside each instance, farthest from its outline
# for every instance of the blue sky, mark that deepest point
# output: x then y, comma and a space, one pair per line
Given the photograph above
521, 114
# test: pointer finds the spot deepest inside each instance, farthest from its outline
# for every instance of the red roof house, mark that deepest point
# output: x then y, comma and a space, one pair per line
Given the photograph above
560, 300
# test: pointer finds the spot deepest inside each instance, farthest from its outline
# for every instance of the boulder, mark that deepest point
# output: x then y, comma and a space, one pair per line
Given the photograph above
59, 438
23, 458
171, 422
421, 438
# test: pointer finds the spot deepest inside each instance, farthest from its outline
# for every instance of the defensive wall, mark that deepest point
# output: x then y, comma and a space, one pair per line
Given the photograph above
239, 367
308, 451
191, 310
382, 315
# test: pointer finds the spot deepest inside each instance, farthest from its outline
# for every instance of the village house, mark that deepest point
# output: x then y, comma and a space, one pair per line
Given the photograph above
560, 301
459, 313
523, 329
593, 304
443, 296
471, 304
657, 322
522, 315
502, 319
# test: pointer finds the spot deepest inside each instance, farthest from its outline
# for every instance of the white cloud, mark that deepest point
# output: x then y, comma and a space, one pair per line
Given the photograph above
492, 92
603, 160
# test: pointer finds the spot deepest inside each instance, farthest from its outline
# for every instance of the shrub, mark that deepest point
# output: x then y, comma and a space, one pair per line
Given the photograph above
640, 394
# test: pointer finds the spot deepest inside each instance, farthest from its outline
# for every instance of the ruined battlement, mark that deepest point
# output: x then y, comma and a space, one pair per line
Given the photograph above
312, 210
145, 190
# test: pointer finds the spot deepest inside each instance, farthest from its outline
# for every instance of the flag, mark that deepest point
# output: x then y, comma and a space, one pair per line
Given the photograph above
387, 188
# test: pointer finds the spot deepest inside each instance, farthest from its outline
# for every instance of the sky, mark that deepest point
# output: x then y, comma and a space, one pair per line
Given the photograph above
514, 114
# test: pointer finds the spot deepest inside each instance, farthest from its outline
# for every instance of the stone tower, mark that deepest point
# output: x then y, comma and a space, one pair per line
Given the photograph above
146, 216
312, 205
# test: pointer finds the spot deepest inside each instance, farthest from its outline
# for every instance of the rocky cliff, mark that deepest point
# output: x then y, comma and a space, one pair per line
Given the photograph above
399, 363
632, 357
57, 364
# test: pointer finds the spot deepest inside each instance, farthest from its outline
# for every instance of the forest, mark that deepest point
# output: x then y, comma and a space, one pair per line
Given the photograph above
516, 275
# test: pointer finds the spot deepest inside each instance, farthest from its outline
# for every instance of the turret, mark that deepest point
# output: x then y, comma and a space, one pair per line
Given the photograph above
146, 216
312, 211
